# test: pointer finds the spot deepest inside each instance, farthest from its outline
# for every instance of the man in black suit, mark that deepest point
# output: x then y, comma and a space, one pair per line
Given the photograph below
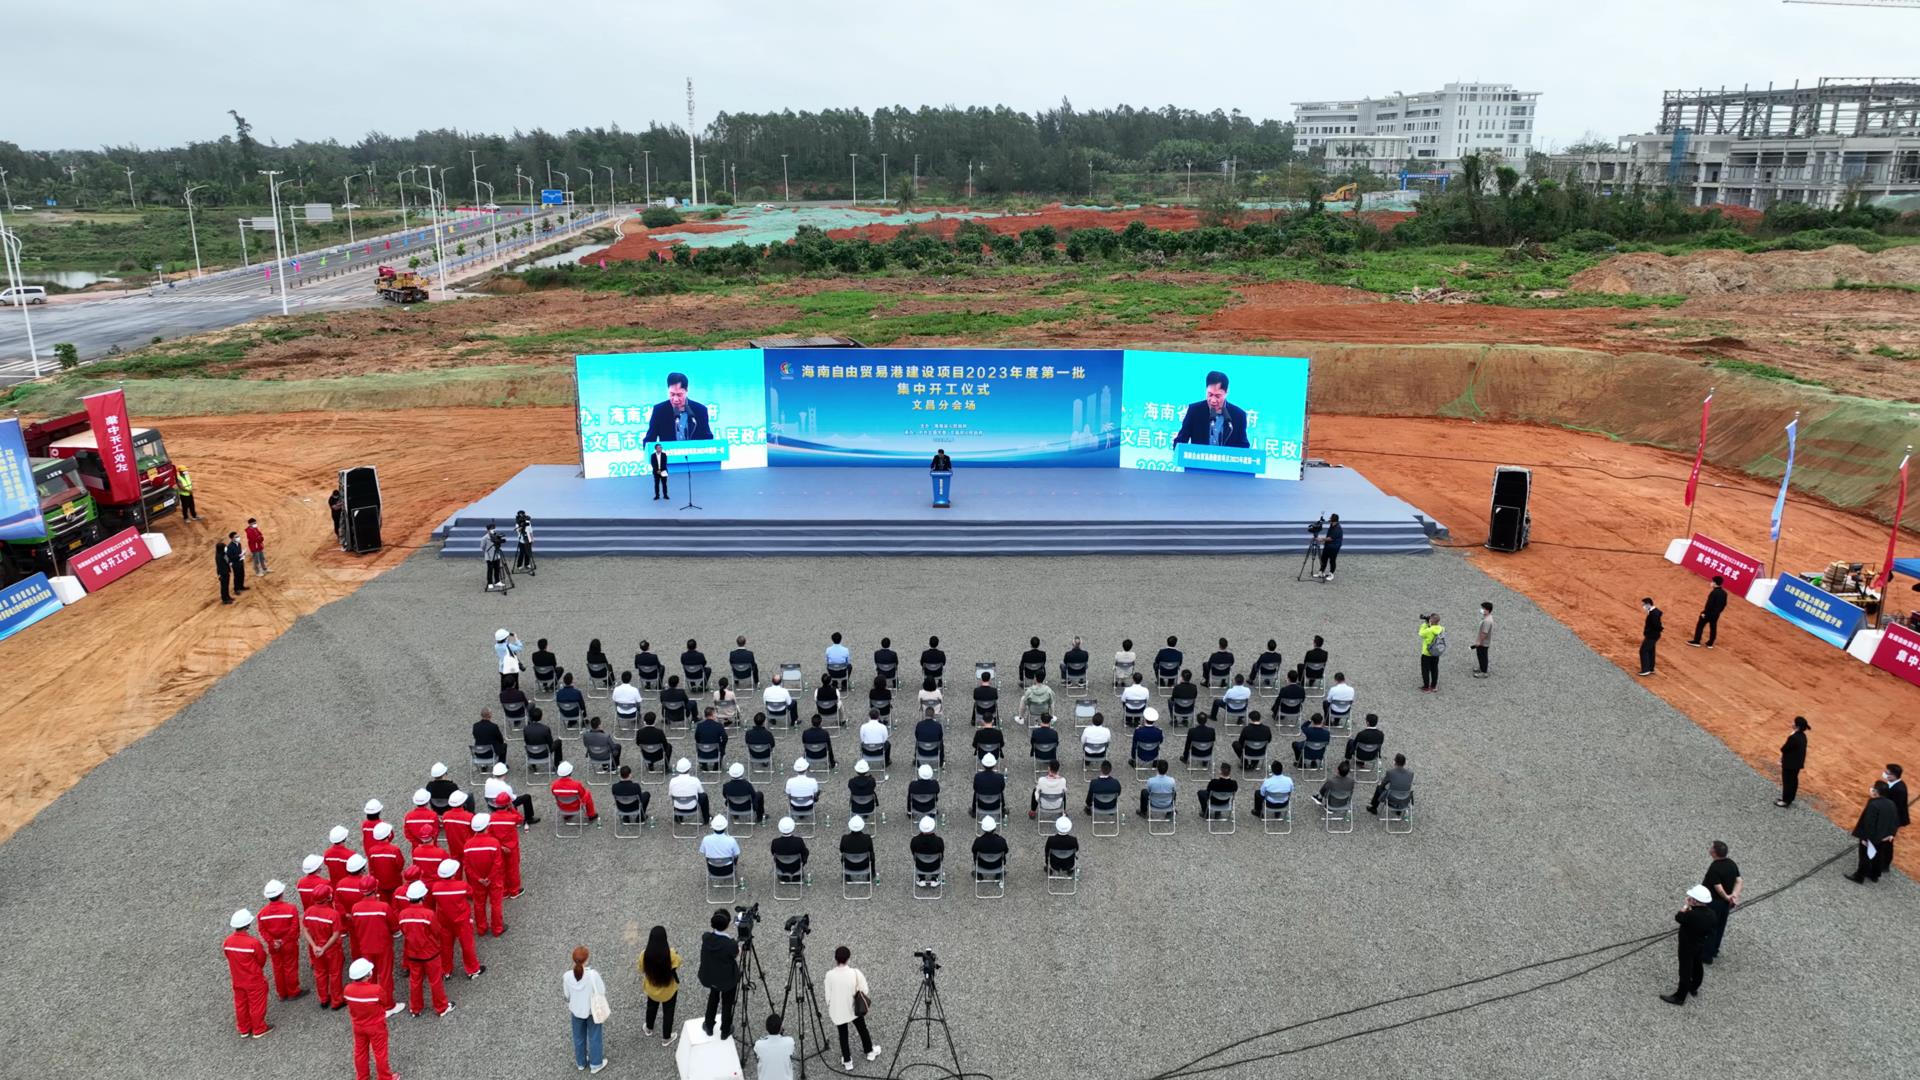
1710, 615
941, 462
657, 464
1793, 758
1649, 635
1213, 422
237, 559
1166, 662
224, 568
885, 659
1074, 659
678, 418
1878, 822
1897, 794
1033, 662
488, 733
743, 664
720, 972
1696, 920
933, 657
537, 733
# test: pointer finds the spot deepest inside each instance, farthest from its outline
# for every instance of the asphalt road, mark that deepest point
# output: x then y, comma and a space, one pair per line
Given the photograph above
232, 297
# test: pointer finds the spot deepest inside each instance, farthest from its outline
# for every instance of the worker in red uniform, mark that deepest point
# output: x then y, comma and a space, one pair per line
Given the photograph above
486, 866
384, 859
457, 823
421, 825
452, 902
570, 796
280, 928
247, 963
369, 1016
420, 947
337, 853
325, 932
374, 809
428, 857
354, 886
505, 827
371, 927
311, 881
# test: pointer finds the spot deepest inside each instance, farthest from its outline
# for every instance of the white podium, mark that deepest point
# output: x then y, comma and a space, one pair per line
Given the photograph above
700, 1056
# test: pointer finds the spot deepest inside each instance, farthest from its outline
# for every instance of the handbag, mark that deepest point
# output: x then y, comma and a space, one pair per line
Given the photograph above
861, 1003
598, 1008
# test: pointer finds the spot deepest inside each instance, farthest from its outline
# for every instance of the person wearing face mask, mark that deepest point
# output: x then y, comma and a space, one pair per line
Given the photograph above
1896, 794
1875, 829
1649, 635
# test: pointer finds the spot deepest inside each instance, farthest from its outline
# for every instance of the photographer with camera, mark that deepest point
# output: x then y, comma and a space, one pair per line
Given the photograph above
720, 971
490, 548
848, 1000
1329, 545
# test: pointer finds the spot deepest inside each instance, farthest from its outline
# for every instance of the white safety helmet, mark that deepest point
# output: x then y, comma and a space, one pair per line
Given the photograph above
241, 919
481, 820
416, 890
356, 863
439, 770
312, 864
927, 824
448, 867
1062, 826
987, 824
989, 761
565, 769
337, 835
857, 823
501, 634
499, 768
799, 765
926, 772
383, 831
360, 969
1152, 715
420, 796
719, 823
374, 807
736, 770
786, 826
458, 798
683, 765
274, 889
862, 767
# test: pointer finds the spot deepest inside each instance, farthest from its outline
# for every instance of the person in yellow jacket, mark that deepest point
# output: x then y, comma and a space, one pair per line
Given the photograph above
1433, 642
183, 487
660, 978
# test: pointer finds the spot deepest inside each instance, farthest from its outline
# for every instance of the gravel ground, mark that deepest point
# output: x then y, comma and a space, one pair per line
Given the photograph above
1557, 815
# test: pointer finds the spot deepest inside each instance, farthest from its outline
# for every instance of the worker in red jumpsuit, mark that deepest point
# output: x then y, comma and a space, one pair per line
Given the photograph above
280, 928
420, 946
428, 857
384, 859
457, 823
505, 827
325, 932
369, 1016
421, 825
371, 927
312, 880
374, 810
486, 868
452, 901
247, 963
354, 886
570, 796
337, 853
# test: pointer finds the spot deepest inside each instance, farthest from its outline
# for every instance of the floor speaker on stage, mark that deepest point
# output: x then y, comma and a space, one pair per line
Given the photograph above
360, 524
1510, 521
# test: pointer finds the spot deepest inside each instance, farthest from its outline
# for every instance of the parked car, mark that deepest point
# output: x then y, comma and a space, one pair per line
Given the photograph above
19, 295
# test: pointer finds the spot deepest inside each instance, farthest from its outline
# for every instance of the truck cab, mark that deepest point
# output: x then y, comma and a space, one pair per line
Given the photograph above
155, 469
71, 517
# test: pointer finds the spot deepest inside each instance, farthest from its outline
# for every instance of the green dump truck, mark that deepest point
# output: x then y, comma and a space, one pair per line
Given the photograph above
73, 522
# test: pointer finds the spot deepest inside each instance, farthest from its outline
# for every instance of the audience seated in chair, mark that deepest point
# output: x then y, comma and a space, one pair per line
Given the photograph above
876, 738
1291, 701
1267, 668
1147, 740
1220, 791
693, 663
923, 792
653, 744
1183, 701
777, 700
803, 791
1398, 780
686, 791
989, 787
1096, 736
739, 793
743, 665
933, 660
1166, 662
886, 662
627, 792
990, 848
930, 734
1062, 850
1049, 787
986, 698
929, 852
759, 740
1313, 733
1254, 738
1159, 790
570, 701
674, 703
817, 742
1275, 791
790, 850
599, 745
863, 793
1133, 700
989, 739
488, 733
1037, 700
536, 733
1200, 743
646, 666
1033, 662
1104, 790
1233, 699
1339, 785
930, 699
1219, 666
856, 847
1043, 742
1366, 743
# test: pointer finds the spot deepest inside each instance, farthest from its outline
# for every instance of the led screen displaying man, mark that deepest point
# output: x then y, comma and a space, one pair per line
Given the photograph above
679, 417
1214, 422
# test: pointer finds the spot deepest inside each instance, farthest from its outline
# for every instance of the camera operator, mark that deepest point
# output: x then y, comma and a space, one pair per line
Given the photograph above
490, 548
720, 972
523, 531
1329, 546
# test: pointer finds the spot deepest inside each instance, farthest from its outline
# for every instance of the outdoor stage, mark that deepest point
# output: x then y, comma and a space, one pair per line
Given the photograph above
888, 511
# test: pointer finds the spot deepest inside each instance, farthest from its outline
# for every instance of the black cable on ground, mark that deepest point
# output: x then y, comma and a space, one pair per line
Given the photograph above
1633, 946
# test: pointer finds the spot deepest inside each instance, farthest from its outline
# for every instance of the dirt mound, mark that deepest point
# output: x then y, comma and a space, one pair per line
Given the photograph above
1062, 218
1705, 273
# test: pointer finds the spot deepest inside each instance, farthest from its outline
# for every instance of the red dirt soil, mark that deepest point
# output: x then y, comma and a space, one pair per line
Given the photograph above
1602, 514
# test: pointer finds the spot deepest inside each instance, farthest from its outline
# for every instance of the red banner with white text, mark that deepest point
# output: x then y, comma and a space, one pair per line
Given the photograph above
1707, 557
110, 560
1899, 652
107, 412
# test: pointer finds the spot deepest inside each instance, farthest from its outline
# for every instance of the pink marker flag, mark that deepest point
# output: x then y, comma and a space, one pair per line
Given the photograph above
1700, 452
1893, 536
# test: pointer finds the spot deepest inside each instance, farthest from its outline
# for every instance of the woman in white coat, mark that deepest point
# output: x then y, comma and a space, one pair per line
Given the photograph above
845, 988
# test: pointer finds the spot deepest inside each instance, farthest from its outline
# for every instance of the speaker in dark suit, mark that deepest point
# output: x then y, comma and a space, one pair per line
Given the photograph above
679, 417
1198, 425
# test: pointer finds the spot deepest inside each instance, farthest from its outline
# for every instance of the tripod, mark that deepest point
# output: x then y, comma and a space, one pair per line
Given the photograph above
926, 1009
1307, 560
800, 992
506, 577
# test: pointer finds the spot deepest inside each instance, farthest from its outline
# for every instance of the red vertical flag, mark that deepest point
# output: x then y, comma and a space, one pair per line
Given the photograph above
1700, 453
1893, 537
107, 413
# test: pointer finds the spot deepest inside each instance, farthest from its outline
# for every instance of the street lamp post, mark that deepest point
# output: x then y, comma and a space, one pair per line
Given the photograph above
646, 172
493, 233
290, 215
10, 254
855, 159
969, 178
610, 200
350, 178
883, 178
279, 249
566, 186
401, 183
243, 244
591, 201
192, 230
785, 184
916, 175
707, 177
131, 197
6, 193
433, 213
473, 160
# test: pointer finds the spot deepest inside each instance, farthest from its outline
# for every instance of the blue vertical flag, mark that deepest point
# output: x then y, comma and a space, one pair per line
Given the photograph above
1780, 502
19, 497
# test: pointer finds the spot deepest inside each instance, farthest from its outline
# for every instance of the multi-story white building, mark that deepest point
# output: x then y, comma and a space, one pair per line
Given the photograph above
1754, 148
1435, 128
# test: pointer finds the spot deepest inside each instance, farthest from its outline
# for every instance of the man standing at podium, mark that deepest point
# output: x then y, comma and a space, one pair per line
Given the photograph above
1213, 422
658, 463
942, 470
678, 418
941, 462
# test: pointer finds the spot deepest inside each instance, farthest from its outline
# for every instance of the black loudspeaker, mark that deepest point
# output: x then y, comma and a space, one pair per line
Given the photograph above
360, 524
1510, 521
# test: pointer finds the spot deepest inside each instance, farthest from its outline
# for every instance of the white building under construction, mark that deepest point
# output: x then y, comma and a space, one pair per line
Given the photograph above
1428, 131
1754, 148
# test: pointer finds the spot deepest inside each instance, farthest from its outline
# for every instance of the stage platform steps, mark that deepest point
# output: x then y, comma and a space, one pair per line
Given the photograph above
886, 512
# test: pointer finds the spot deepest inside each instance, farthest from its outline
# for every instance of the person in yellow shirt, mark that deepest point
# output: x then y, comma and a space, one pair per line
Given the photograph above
660, 978
183, 487
1433, 642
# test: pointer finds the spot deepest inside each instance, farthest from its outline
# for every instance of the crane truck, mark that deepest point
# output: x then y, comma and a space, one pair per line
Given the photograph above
399, 286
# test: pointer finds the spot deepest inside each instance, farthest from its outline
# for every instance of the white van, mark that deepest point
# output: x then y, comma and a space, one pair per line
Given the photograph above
23, 294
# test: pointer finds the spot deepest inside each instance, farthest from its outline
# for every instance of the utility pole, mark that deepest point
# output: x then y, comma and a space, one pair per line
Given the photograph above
6, 193
691, 169
610, 199
191, 230
1189, 179
439, 248
646, 171
400, 182
244, 264
855, 158
883, 178
916, 176
279, 250
348, 184
72, 180
703, 178
473, 159
969, 178
131, 197
784, 182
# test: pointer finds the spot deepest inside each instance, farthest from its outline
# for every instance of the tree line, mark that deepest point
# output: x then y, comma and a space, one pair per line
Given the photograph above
1003, 151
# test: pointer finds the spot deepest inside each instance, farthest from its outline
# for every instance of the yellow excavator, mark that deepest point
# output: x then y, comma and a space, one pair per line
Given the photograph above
1343, 193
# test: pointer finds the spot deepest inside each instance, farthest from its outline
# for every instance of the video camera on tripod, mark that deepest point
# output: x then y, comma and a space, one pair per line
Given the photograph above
798, 927
929, 963
1314, 528
744, 919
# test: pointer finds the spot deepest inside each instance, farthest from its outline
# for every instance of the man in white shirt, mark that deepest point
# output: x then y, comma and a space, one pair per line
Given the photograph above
776, 699
1276, 789
1134, 698
1234, 698
774, 1052
1095, 736
626, 697
686, 791
875, 733
496, 783
837, 654
801, 786
1051, 786
1339, 697
717, 846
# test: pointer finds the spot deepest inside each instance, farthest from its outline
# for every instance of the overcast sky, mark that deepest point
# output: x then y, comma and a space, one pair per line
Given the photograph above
160, 72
